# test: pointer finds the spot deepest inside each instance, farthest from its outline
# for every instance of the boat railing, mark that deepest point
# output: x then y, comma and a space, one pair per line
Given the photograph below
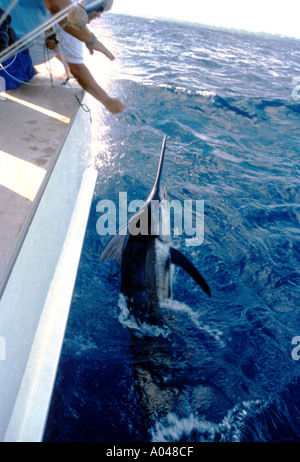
8, 10
35, 33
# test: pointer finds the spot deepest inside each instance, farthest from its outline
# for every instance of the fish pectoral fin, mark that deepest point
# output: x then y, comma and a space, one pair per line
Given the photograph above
114, 248
181, 260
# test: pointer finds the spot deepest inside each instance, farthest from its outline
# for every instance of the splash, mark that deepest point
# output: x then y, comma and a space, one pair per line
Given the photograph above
193, 428
128, 320
176, 306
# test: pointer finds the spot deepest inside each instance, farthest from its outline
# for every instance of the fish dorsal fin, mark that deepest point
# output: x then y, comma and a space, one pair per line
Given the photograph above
181, 260
114, 248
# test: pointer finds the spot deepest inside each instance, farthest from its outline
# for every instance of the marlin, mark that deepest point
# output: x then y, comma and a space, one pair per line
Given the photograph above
146, 258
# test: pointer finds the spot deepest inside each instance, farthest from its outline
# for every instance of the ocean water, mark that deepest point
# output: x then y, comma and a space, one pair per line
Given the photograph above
220, 369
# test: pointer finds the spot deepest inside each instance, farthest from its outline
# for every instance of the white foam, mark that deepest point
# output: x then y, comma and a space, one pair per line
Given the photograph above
144, 329
174, 428
174, 305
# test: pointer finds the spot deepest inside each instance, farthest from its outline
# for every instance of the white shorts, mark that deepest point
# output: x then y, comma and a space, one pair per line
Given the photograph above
69, 46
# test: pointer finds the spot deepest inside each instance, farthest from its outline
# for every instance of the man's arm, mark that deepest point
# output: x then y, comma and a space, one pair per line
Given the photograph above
55, 6
80, 71
89, 84
84, 35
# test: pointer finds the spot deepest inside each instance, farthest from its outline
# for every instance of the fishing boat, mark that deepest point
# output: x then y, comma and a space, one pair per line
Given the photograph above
47, 181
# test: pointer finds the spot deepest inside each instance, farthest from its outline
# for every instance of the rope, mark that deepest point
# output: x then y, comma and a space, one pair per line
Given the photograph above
6, 13
4, 68
8, 65
28, 38
15, 78
84, 107
20, 44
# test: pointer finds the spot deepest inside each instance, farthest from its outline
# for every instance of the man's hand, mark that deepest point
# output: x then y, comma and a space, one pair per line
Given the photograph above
98, 46
51, 42
114, 105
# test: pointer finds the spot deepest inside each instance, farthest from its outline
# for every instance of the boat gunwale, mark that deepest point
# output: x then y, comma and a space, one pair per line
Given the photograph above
36, 202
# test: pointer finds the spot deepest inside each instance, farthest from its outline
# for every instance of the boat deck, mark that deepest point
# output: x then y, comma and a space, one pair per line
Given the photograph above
34, 121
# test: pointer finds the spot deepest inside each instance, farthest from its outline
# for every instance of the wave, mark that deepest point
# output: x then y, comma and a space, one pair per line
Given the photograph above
208, 100
193, 428
129, 321
276, 419
226, 104
179, 307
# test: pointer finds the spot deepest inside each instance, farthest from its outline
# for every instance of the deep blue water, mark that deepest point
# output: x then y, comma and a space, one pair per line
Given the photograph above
224, 369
